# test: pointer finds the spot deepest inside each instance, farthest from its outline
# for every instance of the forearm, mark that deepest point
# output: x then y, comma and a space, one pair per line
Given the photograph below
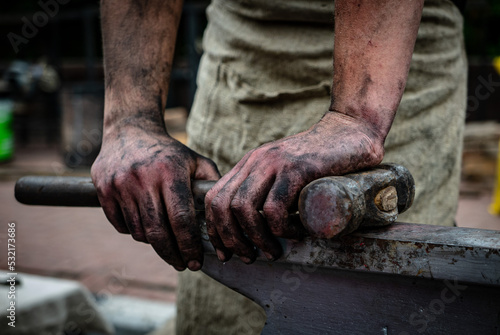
138, 47
374, 43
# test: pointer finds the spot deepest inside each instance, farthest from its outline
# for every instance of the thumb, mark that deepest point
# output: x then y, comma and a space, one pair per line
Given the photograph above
206, 170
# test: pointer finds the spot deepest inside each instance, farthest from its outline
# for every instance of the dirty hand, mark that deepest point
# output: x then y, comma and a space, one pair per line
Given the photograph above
143, 182
270, 178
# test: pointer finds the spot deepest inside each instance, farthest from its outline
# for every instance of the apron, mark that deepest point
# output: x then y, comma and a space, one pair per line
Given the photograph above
266, 73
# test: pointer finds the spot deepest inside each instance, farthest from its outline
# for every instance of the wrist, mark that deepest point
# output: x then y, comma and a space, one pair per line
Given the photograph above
122, 116
127, 100
334, 122
133, 125
375, 125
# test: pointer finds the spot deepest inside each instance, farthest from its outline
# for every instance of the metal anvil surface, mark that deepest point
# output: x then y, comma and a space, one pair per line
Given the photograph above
400, 279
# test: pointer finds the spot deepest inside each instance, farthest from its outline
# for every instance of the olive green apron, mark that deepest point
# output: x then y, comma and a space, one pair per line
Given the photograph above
266, 73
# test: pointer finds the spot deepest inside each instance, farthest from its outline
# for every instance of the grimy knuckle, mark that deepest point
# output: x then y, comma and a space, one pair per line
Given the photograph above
154, 235
271, 209
119, 180
227, 234
189, 249
104, 191
231, 243
99, 182
217, 205
274, 217
239, 206
180, 216
211, 228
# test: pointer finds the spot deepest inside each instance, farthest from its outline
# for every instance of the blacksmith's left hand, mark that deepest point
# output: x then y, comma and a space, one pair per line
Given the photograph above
249, 206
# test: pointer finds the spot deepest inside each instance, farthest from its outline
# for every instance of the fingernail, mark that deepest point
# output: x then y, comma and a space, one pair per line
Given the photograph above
194, 265
269, 256
220, 255
246, 259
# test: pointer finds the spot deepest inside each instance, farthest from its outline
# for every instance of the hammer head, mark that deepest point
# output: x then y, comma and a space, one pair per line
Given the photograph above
333, 206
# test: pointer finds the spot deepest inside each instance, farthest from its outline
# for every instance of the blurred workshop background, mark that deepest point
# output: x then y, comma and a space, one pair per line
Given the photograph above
51, 106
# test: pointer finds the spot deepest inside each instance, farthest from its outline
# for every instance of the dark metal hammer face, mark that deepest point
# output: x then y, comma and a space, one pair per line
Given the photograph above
338, 205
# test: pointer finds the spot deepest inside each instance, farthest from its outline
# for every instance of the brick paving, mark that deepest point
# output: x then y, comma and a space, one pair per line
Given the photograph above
79, 243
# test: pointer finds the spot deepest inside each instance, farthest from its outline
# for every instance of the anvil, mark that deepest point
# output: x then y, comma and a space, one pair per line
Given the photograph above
384, 279
399, 279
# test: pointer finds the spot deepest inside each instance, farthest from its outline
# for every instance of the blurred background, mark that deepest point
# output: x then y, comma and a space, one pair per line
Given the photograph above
51, 105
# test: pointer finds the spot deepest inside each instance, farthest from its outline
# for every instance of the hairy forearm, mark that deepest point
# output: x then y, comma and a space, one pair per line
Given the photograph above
374, 42
138, 46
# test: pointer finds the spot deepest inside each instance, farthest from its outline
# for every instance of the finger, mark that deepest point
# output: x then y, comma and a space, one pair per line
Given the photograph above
120, 188
281, 200
155, 225
181, 215
223, 253
111, 209
131, 215
113, 213
245, 207
206, 170
228, 229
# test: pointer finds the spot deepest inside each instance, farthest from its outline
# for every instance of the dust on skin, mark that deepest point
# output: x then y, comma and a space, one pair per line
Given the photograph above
333, 146
350, 137
139, 39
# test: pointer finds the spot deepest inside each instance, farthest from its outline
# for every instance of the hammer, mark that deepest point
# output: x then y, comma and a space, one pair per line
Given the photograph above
328, 207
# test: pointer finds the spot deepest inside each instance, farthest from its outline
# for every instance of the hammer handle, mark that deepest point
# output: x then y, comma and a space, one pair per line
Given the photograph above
78, 191
328, 206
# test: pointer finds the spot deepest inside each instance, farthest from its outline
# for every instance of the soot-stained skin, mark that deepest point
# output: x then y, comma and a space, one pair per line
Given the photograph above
142, 175
270, 178
143, 181
374, 41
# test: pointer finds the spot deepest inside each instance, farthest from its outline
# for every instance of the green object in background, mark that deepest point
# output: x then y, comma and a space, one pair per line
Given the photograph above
6, 133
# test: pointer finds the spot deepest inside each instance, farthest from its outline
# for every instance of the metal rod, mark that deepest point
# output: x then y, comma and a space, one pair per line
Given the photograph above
78, 191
